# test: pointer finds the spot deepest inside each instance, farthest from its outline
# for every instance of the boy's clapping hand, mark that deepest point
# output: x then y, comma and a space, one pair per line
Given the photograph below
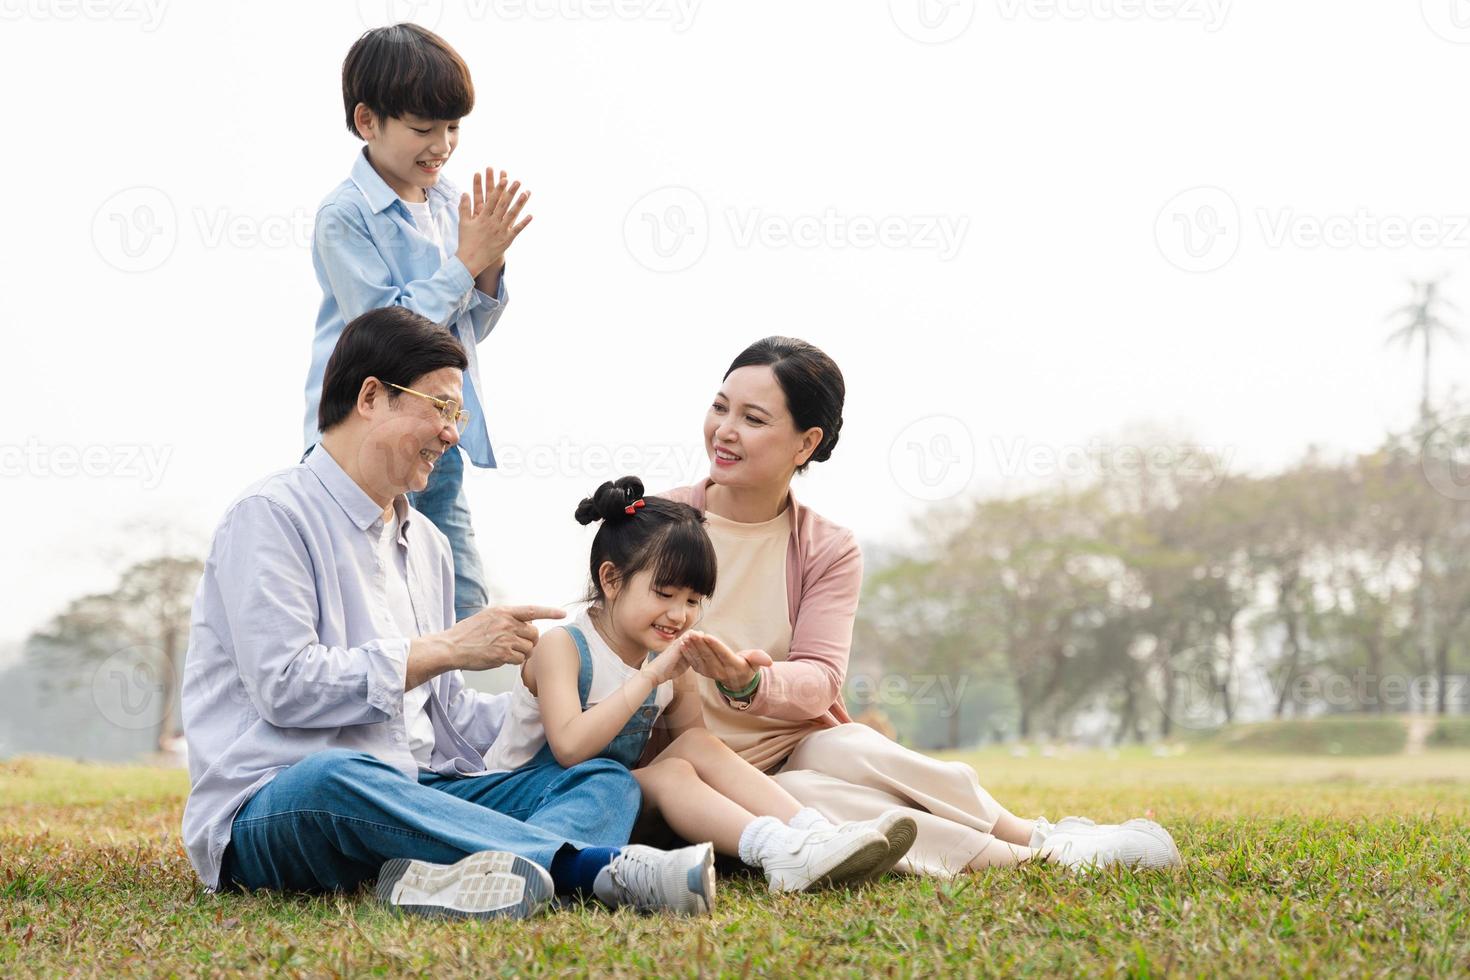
488, 222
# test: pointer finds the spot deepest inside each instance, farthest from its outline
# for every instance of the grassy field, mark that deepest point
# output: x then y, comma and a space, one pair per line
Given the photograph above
1293, 864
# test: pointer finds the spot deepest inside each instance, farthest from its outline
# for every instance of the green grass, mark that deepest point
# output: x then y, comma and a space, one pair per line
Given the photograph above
1296, 865
1350, 735
1450, 732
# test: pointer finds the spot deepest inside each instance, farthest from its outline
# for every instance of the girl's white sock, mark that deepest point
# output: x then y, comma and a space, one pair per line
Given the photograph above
808, 819
757, 836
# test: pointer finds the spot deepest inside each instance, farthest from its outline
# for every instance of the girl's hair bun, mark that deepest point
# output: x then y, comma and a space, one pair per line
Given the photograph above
609, 501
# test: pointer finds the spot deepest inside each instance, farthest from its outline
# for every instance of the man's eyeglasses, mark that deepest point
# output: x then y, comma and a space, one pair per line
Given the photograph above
449, 410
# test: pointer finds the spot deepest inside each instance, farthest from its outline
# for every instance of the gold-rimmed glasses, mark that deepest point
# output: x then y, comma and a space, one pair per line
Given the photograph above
449, 409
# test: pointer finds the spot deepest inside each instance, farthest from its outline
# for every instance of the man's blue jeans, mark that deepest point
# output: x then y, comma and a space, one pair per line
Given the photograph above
444, 503
330, 821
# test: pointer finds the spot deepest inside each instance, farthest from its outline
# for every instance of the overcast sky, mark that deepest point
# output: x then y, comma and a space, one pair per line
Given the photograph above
1017, 225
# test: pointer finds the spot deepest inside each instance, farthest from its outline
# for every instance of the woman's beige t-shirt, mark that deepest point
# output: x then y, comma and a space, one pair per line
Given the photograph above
749, 612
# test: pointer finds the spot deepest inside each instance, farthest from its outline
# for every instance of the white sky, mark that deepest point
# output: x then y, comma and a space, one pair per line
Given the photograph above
1050, 140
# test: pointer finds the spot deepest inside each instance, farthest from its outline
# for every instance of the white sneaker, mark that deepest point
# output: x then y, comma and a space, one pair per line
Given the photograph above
898, 828
484, 885
649, 879
1134, 844
1044, 828
796, 861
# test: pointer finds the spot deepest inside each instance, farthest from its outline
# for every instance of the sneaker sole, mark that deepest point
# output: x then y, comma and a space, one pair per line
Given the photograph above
901, 834
702, 884
857, 865
485, 885
1173, 847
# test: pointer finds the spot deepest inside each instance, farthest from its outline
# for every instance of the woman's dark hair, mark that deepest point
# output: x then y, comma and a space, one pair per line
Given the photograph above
392, 344
661, 534
812, 384
405, 69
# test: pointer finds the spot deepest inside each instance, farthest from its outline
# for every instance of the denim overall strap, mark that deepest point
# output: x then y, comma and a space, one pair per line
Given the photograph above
584, 672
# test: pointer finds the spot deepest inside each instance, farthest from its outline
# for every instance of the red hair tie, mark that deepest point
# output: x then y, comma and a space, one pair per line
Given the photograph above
634, 507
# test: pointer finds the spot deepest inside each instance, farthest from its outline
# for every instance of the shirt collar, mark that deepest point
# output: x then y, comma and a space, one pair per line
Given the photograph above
361, 509
379, 195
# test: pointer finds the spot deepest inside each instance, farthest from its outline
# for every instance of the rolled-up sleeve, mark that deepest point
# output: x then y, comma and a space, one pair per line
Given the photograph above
361, 281
485, 309
269, 592
807, 683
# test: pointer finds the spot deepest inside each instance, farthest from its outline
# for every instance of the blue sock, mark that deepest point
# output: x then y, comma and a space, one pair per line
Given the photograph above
573, 872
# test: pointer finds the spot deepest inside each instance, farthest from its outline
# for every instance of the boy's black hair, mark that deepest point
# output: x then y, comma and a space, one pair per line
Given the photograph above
405, 69
664, 535
392, 344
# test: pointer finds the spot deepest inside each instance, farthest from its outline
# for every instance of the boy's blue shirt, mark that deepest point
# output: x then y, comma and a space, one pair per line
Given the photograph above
368, 254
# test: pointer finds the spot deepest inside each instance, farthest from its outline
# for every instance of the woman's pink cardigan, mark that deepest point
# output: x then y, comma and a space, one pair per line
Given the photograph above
824, 578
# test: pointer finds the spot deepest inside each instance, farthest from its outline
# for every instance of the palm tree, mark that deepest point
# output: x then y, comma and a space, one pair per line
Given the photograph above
1423, 323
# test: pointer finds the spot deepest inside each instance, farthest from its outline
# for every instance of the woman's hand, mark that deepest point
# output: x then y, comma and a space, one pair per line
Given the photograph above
710, 656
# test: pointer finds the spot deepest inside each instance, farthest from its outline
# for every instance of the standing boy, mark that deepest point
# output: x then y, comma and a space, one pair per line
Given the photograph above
396, 233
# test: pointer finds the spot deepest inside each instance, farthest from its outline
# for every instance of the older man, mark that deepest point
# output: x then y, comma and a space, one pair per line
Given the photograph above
331, 736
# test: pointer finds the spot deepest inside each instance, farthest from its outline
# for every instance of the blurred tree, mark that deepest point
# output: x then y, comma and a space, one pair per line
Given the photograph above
146, 618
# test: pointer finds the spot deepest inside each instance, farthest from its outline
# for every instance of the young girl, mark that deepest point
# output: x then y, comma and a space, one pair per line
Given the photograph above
596, 688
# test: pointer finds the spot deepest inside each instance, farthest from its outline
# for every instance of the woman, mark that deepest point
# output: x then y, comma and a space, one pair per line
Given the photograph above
789, 586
